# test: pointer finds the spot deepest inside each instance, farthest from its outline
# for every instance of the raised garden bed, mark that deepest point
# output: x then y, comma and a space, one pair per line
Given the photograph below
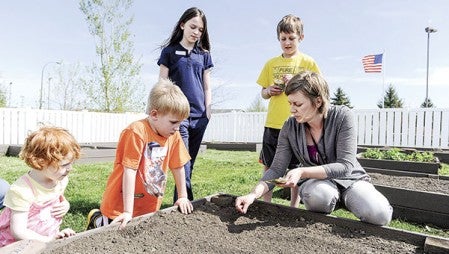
422, 200
417, 206
428, 205
409, 166
90, 153
216, 227
232, 146
404, 173
399, 160
441, 154
94, 155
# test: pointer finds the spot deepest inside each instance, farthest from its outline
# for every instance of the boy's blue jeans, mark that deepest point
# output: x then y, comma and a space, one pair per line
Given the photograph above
192, 131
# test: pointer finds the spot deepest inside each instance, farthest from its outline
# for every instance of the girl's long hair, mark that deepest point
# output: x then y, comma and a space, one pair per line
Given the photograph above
177, 33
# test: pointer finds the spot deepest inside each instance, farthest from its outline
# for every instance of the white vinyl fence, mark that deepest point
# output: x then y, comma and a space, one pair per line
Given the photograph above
426, 128
87, 127
423, 128
236, 127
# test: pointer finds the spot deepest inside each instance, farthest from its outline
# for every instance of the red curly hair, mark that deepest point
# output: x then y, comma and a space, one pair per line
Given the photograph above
48, 146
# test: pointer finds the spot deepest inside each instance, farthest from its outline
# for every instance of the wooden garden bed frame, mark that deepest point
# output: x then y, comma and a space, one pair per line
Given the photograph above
409, 166
414, 206
418, 206
430, 244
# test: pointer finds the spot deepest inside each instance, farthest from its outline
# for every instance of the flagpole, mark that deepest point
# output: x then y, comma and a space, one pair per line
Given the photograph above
375, 63
383, 78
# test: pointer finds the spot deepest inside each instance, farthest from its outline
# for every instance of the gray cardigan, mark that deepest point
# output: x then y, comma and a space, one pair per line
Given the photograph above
339, 144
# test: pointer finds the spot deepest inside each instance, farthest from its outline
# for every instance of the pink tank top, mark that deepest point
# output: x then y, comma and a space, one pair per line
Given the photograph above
39, 219
313, 153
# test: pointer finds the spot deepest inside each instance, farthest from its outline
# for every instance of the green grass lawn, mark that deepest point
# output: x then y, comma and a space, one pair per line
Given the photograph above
231, 172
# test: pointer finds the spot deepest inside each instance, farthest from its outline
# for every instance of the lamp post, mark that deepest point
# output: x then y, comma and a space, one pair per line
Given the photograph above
48, 93
10, 92
428, 30
42, 83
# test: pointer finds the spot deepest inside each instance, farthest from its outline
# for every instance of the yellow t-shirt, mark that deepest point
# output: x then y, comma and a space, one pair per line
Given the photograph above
20, 196
276, 68
131, 147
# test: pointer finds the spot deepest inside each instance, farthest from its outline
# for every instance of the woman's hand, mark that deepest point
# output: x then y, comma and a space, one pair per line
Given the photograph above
292, 177
185, 206
243, 202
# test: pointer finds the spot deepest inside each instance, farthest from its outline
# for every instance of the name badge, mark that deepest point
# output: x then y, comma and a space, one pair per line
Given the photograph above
180, 52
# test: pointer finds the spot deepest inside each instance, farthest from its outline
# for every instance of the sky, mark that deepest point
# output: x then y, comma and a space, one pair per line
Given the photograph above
338, 34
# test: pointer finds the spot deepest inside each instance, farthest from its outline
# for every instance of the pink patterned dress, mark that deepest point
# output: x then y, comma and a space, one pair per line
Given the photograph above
39, 219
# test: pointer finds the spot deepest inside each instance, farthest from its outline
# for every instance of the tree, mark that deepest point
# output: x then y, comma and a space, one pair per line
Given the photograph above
257, 105
66, 91
391, 99
3, 100
220, 94
341, 98
112, 85
427, 104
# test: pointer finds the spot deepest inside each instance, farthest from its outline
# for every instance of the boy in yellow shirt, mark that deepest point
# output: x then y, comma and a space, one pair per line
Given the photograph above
273, 78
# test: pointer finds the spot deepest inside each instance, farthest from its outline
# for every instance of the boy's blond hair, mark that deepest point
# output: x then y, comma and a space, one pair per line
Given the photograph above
48, 146
167, 98
290, 24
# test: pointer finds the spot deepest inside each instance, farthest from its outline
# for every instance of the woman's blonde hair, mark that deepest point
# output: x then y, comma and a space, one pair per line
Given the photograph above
313, 86
48, 146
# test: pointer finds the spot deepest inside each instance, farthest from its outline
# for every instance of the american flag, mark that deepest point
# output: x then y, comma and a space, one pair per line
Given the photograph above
372, 63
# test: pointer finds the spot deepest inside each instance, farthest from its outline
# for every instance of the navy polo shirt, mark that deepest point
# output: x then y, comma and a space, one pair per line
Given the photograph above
186, 71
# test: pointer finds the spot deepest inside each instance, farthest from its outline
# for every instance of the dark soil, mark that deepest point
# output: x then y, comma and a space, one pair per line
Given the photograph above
412, 183
214, 229
220, 229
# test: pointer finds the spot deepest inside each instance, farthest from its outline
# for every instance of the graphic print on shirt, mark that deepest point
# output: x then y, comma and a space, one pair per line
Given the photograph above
154, 177
281, 74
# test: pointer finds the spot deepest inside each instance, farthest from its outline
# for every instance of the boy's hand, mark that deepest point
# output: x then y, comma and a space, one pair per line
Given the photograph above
185, 206
59, 210
287, 78
274, 90
124, 218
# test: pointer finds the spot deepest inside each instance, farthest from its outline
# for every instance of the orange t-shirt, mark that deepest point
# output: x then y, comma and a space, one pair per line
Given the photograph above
133, 152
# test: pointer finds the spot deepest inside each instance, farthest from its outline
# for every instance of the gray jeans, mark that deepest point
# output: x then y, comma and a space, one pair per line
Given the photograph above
361, 198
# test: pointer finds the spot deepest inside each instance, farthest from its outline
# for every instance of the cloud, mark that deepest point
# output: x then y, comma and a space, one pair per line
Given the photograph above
440, 76
340, 58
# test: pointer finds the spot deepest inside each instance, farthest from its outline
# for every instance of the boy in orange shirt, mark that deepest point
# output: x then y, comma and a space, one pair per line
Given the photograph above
146, 149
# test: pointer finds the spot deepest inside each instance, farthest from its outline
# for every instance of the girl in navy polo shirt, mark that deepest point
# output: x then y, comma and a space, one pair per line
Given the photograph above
185, 59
